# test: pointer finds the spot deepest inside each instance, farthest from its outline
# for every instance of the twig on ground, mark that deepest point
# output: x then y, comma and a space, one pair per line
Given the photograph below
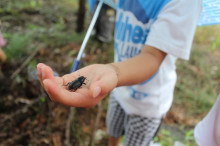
25, 63
98, 116
21, 110
15, 138
68, 125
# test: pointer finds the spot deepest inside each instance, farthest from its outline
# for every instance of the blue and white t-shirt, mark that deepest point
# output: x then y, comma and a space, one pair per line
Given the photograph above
168, 25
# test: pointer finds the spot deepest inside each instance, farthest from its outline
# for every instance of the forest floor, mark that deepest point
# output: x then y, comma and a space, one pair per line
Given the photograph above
36, 32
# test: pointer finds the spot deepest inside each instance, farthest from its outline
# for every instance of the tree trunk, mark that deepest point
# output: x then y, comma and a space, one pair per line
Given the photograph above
81, 16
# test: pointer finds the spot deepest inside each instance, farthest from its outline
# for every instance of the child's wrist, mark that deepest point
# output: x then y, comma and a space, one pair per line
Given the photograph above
117, 72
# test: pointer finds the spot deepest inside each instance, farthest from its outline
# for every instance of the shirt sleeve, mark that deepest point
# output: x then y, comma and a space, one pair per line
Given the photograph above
174, 29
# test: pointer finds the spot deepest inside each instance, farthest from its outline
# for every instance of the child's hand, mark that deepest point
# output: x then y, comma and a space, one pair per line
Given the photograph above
100, 80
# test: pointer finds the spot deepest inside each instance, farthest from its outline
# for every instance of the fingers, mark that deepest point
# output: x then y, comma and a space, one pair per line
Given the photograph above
89, 95
44, 72
104, 85
96, 91
52, 89
39, 66
47, 72
61, 95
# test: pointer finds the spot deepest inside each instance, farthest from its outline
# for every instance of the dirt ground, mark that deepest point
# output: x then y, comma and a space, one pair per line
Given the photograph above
28, 117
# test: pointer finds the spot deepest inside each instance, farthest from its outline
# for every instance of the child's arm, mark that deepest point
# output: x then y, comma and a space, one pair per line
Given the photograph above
139, 68
101, 78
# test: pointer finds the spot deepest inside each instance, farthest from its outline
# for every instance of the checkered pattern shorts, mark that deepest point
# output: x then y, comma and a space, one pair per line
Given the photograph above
139, 131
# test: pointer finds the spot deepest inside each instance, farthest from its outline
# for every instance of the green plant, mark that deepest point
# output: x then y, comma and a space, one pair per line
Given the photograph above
189, 138
195, 86
18, 46
164, 138
216, 44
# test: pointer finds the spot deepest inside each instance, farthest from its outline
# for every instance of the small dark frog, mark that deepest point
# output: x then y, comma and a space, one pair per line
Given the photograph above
75, 84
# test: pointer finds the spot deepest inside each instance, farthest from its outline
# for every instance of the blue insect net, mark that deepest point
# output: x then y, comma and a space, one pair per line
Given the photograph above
210, 13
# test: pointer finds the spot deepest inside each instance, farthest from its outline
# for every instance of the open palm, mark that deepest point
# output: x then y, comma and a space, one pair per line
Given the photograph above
100, 80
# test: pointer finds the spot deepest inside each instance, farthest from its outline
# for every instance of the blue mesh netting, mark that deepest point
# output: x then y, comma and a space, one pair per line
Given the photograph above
210, 13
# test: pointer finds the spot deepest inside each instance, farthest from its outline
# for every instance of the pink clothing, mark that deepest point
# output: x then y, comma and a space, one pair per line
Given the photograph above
207, 131
2, 41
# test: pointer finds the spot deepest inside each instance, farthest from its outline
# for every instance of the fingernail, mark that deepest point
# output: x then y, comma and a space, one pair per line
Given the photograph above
96, 92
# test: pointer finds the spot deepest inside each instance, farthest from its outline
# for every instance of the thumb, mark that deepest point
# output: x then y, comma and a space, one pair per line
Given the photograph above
47, 72
95, 90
